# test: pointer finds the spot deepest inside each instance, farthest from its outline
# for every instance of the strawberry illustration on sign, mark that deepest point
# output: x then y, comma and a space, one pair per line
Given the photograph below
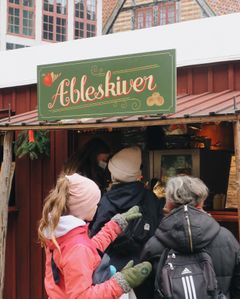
49, 78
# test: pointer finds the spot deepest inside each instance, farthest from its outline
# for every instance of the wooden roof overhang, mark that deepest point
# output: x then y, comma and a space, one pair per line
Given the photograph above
201, 108
142, 121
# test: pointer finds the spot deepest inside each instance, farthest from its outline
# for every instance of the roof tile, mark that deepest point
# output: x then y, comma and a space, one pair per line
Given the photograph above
221, 7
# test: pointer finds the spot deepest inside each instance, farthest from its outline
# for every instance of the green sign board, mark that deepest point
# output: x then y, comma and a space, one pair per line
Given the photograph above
134, 84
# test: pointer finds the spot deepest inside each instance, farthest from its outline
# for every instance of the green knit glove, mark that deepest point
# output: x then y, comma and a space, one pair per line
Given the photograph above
134, 276
130, 264
132, 214
124, 218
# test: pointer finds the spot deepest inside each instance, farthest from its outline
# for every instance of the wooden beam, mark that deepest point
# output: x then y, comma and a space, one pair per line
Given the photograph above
206, 8
107, 27
236, 129
5, 186
155, 121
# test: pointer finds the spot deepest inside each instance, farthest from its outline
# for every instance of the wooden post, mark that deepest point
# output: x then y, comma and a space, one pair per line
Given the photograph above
236, 129
5, 182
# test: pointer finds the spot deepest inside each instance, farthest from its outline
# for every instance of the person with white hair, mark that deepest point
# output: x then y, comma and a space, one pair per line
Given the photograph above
173, 232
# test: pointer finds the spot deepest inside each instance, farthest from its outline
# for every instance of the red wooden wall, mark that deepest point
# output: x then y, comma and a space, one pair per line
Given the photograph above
24, 259
33, 179
208, 78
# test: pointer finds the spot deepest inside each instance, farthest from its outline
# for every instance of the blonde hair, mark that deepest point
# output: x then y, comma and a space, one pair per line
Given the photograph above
55, 205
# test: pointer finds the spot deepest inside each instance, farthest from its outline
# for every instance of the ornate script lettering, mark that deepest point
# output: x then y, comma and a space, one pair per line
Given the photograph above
76, 90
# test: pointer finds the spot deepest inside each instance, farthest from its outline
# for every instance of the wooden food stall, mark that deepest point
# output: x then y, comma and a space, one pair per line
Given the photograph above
204, 129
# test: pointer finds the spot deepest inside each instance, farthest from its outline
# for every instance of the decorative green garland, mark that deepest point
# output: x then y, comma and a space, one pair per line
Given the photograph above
32, 143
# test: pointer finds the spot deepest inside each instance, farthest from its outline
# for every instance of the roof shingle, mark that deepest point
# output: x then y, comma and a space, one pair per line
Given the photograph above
223, 7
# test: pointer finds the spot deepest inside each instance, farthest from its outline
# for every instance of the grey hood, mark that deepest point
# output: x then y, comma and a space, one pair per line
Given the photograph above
176, 232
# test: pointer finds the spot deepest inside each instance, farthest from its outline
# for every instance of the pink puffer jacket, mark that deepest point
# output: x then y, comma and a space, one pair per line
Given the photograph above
77, 261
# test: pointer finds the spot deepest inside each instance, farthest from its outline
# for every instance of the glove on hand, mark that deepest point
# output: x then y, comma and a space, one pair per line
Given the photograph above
132, 214
124, 218
130, 264
134, 276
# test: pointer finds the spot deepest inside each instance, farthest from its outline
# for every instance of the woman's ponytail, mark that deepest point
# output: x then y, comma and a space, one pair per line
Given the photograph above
54, 207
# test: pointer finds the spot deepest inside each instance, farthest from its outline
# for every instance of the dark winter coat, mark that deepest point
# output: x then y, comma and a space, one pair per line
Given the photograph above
206, 233
119, 199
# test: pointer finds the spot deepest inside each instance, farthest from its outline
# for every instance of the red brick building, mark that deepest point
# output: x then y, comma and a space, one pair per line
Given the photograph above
130, 15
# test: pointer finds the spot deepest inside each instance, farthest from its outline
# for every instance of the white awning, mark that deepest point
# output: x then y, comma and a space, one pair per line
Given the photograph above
200, 41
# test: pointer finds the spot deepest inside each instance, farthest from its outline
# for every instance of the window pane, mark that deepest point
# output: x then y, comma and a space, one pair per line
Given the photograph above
48, 27
48, 5
148, 18
13, 20
16, 12
91, 10
28, 3
62, 7
163, 15
155, 16
79, 9
171, 14
91, 30
19, 46
140, 20
11, 46
79, 30
61, 30
85, 18
45, 35
14, 1
27, 22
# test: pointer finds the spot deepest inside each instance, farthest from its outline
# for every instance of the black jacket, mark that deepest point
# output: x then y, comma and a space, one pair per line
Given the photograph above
119, 199
206, 233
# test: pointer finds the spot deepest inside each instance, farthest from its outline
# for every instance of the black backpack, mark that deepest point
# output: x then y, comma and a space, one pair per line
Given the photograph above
186, 276
138, 231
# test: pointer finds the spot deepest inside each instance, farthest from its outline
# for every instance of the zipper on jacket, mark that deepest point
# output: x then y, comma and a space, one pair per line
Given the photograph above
188, 227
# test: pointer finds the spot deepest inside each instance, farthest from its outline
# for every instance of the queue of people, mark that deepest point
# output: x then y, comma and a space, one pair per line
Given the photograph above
83, 221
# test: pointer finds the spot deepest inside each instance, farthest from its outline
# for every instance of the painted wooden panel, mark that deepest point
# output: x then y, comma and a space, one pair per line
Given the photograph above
25, 266
220, 77
23, 227
10, 272
36, 288
237, 76
200, 80
182, 81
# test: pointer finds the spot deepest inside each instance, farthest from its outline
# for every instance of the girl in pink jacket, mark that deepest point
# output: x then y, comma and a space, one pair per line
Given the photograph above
71, 256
